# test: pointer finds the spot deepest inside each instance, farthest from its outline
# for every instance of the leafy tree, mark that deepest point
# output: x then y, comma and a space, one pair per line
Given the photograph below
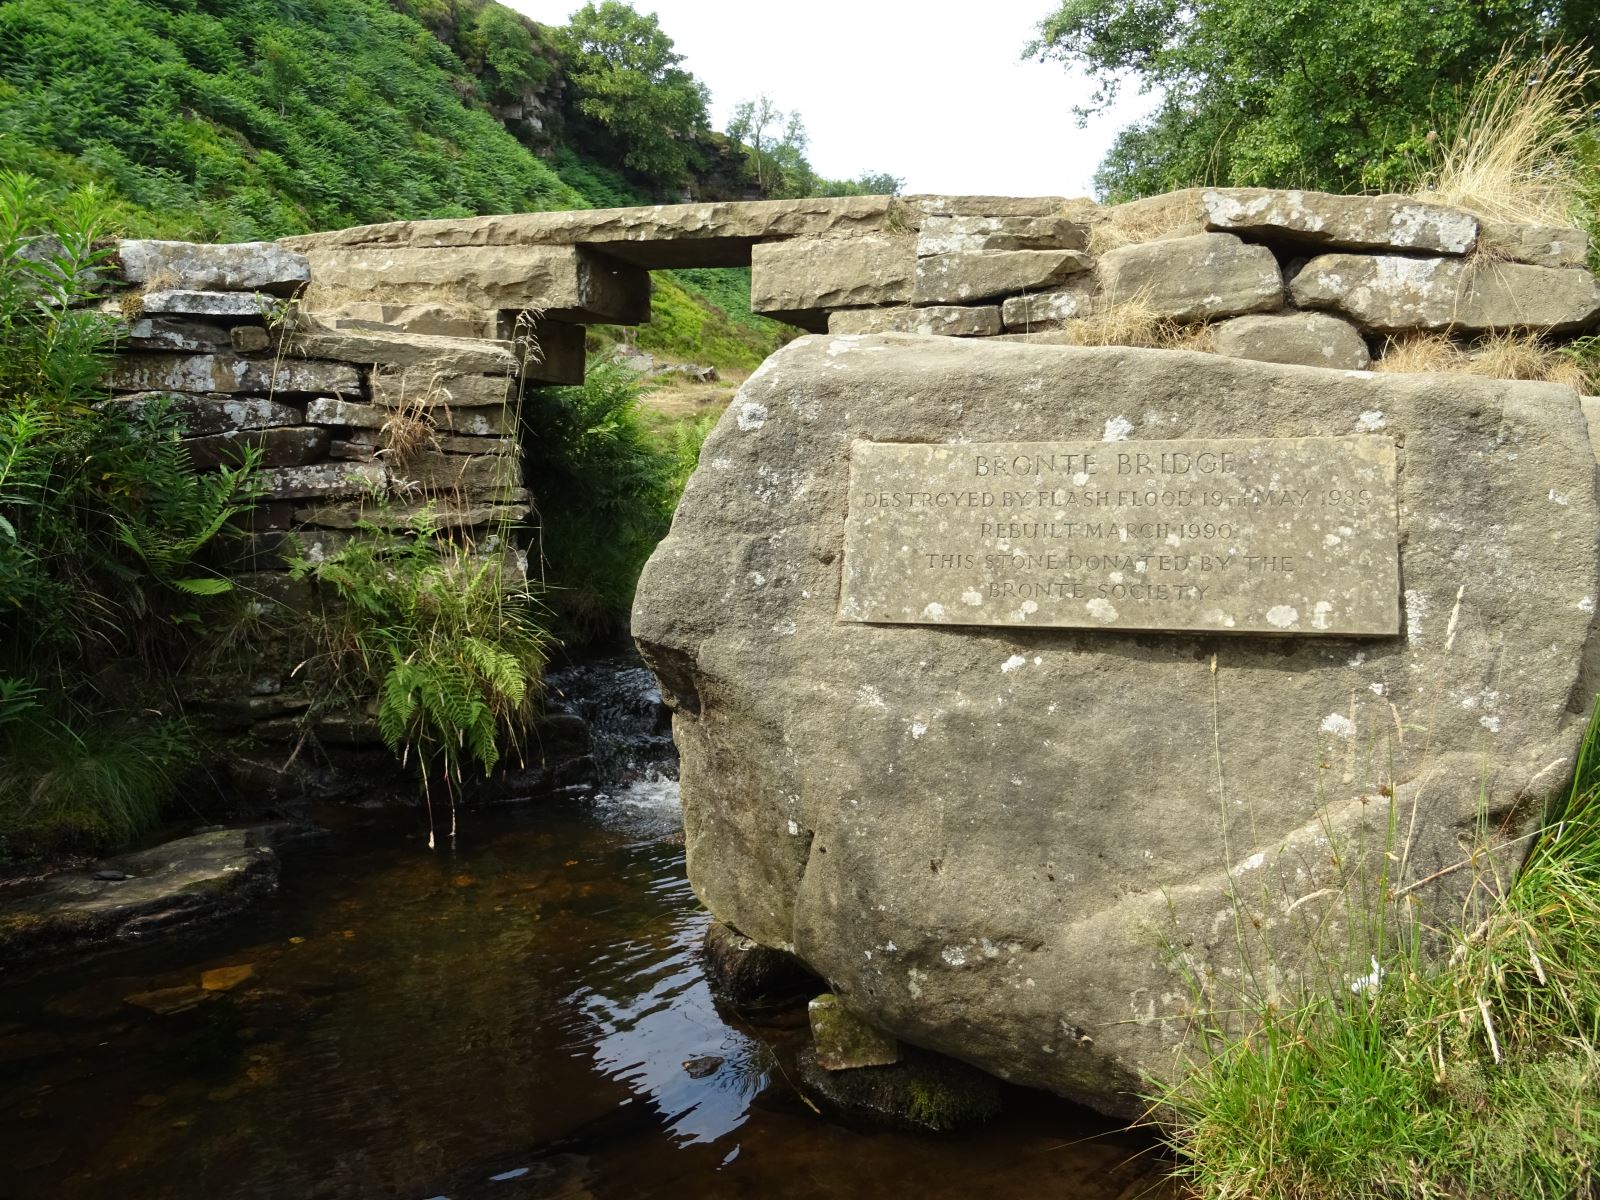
1288, 92
625, 83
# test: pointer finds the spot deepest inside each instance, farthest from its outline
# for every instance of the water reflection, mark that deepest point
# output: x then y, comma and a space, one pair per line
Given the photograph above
523, 1017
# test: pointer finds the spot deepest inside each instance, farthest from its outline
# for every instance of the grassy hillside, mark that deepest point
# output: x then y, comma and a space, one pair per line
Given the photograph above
232, 120
240, 119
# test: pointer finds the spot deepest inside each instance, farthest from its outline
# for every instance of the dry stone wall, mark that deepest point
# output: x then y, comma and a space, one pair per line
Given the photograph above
217, 334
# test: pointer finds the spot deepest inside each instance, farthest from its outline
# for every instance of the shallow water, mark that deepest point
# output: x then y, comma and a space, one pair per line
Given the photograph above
508, 1019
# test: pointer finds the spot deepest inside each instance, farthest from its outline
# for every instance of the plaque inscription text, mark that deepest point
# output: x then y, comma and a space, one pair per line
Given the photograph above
1244, 535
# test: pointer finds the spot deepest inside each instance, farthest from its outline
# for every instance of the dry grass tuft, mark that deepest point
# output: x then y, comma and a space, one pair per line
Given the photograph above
1508, 158
1497, 356
410, 431
1145, 220
1133, 321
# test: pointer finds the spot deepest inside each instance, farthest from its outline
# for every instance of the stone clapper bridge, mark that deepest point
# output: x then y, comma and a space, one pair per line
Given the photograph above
853, 790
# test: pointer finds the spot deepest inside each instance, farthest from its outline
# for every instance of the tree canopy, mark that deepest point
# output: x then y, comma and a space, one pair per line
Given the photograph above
626, 82
1336, 96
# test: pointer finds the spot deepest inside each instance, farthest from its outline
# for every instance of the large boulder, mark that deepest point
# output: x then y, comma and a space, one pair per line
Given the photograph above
1038, 850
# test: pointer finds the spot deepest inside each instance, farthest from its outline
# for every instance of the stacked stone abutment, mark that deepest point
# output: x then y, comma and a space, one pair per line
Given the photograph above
356, 424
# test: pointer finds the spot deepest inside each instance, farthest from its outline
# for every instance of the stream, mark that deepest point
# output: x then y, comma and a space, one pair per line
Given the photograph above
507, 1018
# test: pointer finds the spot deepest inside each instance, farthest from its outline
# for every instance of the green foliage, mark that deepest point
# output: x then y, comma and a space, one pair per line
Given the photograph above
1475, 1074
104, 526
1331, 96
236, 119
626, 87
84, 779
446, 639
686, 325
605, 490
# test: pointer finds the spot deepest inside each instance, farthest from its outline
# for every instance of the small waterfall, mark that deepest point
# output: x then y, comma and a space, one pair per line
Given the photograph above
636, 764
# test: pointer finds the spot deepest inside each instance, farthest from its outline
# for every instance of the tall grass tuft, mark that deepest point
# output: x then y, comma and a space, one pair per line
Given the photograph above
1509, 156
1473, 1073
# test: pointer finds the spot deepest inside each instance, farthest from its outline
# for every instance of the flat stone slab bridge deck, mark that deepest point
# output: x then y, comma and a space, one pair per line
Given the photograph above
1282, 276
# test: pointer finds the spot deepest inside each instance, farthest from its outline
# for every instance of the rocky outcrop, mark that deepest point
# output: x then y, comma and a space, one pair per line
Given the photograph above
1040, 850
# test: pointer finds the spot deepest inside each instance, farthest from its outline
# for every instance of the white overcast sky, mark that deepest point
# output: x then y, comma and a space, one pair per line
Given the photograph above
933, 91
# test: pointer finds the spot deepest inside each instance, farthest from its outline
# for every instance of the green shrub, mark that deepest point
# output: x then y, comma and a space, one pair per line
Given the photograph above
1472, 1073
605, 491
103, 528
446, 642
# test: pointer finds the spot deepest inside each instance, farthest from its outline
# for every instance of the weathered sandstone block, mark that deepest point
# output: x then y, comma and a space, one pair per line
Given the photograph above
409, 387
1048, 310
433, 471
215, 412
323, 480
1346, 222
978, 235
1195, 278
798, 281
248, 339
1540, 245
1308, 339
717, 234
167, 333
968, 278
949, 320
445, 514
195, 266
844, 1041
422, 353
1392, 294
228, 373
223, 305
1013, 845
437, 320
282, 446
987, 206
497, 419
566, 283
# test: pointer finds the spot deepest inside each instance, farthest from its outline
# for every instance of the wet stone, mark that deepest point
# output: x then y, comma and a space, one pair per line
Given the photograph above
844, 1041
1282, 535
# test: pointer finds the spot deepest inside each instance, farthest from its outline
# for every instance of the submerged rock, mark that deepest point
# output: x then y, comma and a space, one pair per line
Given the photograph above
927, 1093
171, 886
745, 974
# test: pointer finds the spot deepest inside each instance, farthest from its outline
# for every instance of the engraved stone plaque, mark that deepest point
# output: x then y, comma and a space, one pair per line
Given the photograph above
1245, 535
